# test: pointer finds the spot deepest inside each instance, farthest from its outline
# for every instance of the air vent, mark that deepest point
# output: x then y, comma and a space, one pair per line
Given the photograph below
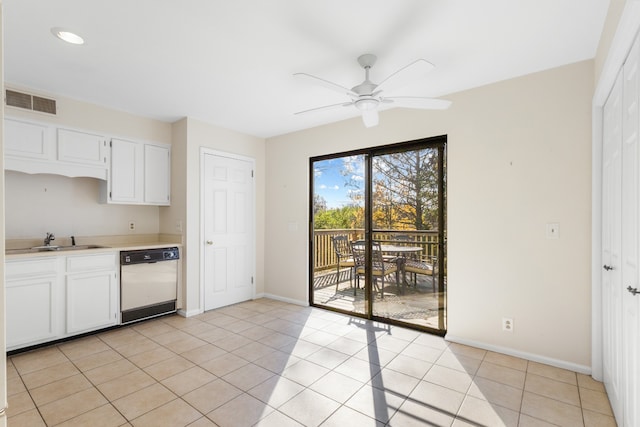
30, 102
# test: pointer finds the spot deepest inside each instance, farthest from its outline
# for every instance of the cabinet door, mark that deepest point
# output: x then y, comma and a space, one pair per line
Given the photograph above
126, 179
91, 301
81, 147
157, 171
31, 308
26, 140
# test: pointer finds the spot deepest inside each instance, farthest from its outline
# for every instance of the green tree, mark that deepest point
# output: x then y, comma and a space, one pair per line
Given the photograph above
346, 217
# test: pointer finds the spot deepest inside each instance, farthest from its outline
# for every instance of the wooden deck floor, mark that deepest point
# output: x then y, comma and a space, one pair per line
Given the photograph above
417, 304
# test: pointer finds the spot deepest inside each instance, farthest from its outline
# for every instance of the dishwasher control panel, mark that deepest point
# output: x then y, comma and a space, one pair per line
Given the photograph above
149, 255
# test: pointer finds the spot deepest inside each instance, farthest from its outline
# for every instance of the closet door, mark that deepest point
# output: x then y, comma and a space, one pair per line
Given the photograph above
612, 247
630, 241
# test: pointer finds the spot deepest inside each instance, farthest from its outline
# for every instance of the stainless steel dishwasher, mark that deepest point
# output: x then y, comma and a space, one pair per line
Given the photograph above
148, 283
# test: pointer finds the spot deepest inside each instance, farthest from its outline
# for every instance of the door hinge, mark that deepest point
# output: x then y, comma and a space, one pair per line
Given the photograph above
110, 196
252, 280
111, 143
251, 173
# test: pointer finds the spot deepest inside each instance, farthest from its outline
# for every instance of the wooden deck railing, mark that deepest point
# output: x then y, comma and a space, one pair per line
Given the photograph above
325, 256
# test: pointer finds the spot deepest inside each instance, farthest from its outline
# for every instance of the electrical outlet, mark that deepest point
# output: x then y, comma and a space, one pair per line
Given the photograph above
179, 226
553, 230
507, 324
132, 225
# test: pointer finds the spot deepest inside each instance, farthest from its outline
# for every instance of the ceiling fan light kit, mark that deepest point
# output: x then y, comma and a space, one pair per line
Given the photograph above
366, 96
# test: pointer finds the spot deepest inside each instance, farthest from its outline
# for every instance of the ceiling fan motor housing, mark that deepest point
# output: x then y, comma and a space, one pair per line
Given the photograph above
366, 103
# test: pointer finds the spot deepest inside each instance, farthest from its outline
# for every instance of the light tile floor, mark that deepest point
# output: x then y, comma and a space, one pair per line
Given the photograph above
268, 363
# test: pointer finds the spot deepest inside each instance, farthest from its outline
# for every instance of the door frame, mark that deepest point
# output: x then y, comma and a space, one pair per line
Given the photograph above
208, 151
439, 142
628, 27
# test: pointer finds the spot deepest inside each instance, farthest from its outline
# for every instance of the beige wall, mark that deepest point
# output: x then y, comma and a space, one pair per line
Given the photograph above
189, 136
37, 204
519, 157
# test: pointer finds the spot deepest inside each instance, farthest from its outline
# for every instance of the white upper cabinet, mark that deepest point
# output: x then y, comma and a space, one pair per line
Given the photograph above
140, 173
26, 140
127, 175
32, 147
157, 174
81, 147
134, 172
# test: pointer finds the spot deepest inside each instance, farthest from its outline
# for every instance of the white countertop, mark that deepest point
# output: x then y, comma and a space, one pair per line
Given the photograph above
108, 243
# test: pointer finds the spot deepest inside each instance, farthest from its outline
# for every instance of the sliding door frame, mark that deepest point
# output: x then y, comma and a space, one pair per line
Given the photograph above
439, 142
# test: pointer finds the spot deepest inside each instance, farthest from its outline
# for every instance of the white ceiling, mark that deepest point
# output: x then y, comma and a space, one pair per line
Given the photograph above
230, 62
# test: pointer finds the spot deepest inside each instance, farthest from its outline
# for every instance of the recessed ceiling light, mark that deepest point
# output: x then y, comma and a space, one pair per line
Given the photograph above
67, 36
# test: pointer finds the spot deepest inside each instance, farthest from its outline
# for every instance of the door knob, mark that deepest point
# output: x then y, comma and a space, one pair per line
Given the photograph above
209, 242
633, 291
607, 267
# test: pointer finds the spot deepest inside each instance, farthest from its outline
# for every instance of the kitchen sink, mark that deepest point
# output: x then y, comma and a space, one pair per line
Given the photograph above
51, 248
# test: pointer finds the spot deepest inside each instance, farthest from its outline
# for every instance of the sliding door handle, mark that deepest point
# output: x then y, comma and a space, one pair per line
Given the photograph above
633, 291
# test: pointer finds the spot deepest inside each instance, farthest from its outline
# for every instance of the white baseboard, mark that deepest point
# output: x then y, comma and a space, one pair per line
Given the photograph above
283, 299
582, 369
258, 296
190, 313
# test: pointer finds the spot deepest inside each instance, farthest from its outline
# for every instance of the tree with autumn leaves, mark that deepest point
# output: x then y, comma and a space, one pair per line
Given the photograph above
405, 194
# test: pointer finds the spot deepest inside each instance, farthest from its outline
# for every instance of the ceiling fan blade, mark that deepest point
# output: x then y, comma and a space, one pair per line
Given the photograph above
370, 118
405, 75
325, 107
326, 83
418, 102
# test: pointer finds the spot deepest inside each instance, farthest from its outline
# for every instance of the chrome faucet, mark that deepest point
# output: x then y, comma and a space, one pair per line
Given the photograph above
49, 238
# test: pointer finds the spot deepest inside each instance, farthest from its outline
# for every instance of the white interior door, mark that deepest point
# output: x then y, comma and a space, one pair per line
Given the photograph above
228, 230
612, 247
630, 241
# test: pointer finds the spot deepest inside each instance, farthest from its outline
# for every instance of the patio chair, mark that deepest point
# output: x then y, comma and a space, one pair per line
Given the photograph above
421, 267
381, 267
344, 257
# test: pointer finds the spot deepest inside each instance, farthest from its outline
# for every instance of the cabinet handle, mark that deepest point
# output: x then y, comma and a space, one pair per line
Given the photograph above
209, 242
633, 291
607, 267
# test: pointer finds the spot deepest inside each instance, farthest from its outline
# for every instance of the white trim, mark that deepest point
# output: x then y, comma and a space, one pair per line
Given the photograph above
289, 300
189, 313
218, 153
583, 369
596, 244
626, 31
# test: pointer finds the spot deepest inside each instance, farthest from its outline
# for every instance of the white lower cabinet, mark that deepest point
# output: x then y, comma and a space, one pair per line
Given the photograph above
53, 297
32, 302
92, 290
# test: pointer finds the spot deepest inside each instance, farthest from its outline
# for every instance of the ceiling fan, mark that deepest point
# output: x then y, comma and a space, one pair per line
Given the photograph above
368, 96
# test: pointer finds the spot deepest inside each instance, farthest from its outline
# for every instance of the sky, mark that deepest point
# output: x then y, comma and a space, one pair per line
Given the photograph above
332, 179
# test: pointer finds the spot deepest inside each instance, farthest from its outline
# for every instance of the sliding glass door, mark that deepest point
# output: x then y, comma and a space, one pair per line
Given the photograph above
378, 233
338, 221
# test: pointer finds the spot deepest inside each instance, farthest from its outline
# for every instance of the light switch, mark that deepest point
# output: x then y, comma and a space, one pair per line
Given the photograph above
553, 230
